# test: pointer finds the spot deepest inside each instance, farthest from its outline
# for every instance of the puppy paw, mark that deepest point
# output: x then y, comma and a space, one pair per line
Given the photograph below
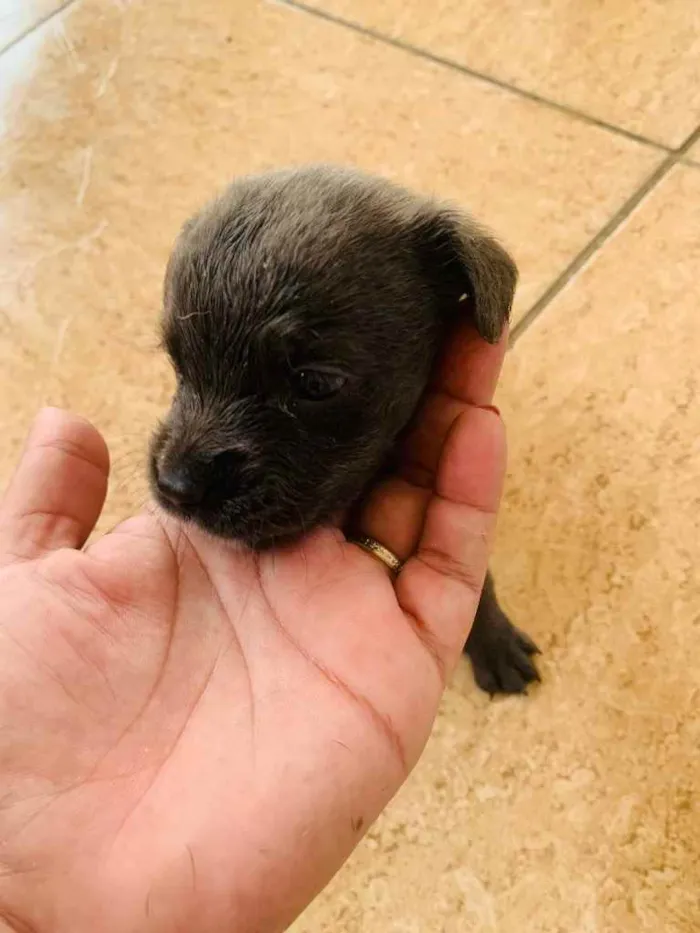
502, 659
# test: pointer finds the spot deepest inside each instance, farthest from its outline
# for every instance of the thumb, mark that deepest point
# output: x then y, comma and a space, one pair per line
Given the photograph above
58, 488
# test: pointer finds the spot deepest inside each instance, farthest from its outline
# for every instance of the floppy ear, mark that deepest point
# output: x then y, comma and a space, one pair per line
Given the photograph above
470, 271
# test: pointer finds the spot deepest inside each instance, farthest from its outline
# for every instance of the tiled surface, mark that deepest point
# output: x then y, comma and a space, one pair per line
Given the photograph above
571, 811
633, 63
110, 144
694, 153
18, 16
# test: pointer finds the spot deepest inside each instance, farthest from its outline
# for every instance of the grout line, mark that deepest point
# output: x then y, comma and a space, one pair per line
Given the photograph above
36, 25
672, 156
532, 96
593, 245
618, 218
688, 144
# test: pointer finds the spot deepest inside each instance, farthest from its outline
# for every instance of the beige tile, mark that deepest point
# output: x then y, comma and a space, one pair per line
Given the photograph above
116, 127
633, 63
18, 16
694, 153
576, 809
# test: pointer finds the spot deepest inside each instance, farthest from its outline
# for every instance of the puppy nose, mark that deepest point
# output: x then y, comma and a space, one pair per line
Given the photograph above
180, 485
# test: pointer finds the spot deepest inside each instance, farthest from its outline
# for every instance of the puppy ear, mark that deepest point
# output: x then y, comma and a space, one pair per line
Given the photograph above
468, 269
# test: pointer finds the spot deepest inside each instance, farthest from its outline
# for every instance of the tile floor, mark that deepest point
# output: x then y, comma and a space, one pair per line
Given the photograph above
18, 17
634, 64
694, 153
571, 128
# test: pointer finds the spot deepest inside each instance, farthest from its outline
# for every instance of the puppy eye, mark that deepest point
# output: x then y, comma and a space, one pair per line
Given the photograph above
317, 385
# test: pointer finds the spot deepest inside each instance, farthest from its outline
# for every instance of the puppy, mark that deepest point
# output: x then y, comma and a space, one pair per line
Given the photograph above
303, 312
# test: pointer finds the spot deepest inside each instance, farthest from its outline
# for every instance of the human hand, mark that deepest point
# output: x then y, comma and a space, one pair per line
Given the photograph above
193, 737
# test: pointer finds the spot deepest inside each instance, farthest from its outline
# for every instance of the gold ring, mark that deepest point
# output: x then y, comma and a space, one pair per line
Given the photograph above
387, 557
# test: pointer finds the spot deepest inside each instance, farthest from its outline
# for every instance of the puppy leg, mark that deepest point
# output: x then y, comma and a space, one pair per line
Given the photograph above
501, 654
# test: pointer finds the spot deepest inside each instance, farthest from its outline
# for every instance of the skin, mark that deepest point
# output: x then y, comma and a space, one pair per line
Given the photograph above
195, 738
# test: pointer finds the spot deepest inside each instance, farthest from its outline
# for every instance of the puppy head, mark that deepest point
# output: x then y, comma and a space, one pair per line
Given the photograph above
302, 313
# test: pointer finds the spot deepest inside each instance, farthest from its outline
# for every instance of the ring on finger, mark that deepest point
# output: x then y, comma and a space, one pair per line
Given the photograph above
377, 550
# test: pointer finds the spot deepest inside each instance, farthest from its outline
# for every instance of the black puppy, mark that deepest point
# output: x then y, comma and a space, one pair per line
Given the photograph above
303, 312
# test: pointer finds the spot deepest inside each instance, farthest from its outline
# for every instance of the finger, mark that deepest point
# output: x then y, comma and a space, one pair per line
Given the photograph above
470, 367
394, 511
58, 488
393, 514
423, 447
467, 375
440, 585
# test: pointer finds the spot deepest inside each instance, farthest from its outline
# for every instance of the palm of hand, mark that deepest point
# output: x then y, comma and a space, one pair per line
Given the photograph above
194, 737
216, 675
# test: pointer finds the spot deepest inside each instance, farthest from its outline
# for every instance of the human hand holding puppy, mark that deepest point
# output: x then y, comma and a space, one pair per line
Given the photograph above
195, 737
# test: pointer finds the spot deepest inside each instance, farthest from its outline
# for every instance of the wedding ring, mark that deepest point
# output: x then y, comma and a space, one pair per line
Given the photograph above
387, 557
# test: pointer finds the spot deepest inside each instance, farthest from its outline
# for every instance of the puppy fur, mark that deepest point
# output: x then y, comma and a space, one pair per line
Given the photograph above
303, 312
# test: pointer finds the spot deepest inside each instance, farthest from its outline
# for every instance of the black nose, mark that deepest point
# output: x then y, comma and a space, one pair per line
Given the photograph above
181, 485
